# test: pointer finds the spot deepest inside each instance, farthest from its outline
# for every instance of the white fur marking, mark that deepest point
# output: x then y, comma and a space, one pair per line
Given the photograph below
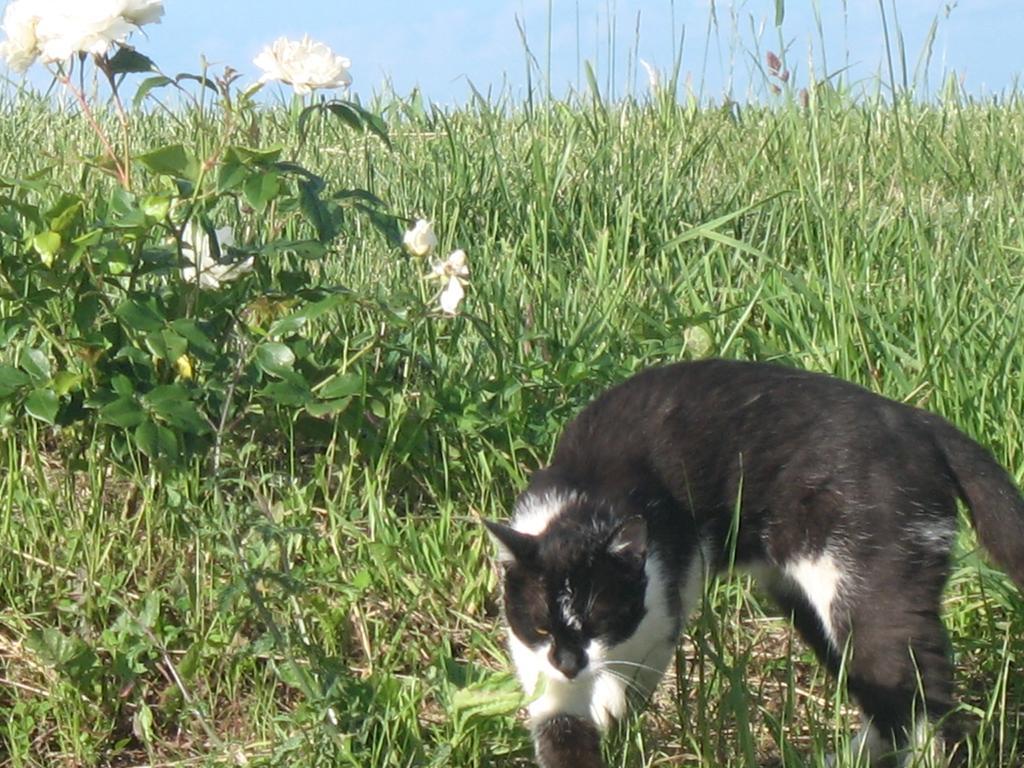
569, 615
820, 579
533, 513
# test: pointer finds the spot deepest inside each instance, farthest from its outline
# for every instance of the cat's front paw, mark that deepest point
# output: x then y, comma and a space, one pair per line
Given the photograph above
567, 741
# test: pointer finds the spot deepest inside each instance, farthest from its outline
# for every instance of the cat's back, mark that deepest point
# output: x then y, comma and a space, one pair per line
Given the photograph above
729, 406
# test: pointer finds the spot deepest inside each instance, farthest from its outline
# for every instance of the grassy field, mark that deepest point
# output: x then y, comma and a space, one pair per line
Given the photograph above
335, 604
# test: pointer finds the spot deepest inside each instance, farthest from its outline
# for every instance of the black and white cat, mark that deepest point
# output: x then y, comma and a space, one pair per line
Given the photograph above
843, 502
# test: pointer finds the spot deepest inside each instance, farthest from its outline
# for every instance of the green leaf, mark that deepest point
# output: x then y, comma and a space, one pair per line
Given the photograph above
156, 441
171, 403
65, 212
42, 404
353, 115
327, 304
386, 223
287, 393
66, 381
146, 439
358, 195
201, 79
780, 12
497, 695
35, 363
51, 646
296, 320
171, 160
275, 358
166, 344
138, 316
11, 380
190, 330
124, 211
150, 609
189, 664
142, 723
254, 157
47, 245
322, 408
128, 60
230, 175
341, 385
156, 206
260, 189
147, 85
326, 220
123, 412
122, 385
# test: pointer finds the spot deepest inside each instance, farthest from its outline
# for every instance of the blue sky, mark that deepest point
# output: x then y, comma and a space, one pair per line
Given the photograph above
443, 45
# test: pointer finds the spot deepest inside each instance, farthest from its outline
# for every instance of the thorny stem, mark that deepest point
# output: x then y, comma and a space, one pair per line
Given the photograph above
121, 169
122, 116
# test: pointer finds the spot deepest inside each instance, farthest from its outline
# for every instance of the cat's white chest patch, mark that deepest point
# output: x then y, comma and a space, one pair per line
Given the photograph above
820, 578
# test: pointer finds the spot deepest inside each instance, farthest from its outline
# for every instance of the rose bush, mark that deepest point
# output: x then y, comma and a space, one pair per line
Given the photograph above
177, 322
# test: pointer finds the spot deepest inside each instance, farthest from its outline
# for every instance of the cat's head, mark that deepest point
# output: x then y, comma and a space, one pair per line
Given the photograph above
574, 588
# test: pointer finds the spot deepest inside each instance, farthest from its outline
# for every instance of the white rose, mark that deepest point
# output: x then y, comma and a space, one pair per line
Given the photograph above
21, 48
57, 29
202, 265
303, 64
420, 240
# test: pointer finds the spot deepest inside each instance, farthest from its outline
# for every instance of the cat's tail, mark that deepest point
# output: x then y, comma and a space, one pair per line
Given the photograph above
996, 505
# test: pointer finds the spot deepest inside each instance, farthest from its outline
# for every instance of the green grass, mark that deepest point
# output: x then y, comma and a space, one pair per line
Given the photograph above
337, 606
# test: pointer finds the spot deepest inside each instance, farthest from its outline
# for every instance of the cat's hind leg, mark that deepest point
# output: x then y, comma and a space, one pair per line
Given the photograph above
900, 673
897, 660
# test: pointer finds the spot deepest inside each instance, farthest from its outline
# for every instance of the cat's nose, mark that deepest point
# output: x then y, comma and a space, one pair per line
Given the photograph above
569, 661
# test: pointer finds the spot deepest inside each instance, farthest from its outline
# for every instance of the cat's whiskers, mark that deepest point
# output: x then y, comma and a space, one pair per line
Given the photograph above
629, 683
647, 667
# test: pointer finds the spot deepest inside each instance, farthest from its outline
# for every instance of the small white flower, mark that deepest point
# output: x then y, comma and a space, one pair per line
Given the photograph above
653, 78
420, 240
454, 266
452, 294
304, 64
200, 263
454, 270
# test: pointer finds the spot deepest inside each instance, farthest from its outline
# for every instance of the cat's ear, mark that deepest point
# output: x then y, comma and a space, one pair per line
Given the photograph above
629, 541
513, 546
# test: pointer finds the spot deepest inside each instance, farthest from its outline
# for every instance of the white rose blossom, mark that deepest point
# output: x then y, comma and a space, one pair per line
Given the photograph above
304, 64
420, 240
21, 48
454, 270
55, 30
140, 12
200, 262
